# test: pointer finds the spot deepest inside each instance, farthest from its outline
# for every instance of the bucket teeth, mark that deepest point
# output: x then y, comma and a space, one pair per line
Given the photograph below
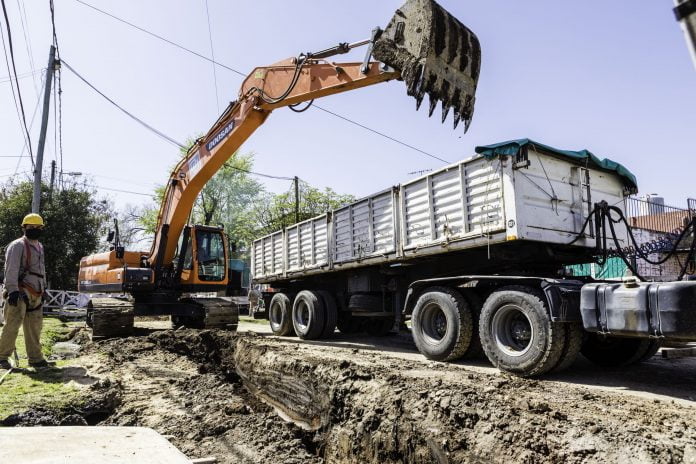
457, 117
435, 54
433, 103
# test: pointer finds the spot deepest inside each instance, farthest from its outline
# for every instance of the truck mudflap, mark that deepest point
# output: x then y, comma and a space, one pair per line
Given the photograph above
646, 309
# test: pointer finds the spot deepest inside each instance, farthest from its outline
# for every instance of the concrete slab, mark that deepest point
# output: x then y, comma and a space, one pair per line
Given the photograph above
87, 445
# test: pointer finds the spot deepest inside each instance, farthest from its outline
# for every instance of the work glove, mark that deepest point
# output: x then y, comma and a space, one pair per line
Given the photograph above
13, 298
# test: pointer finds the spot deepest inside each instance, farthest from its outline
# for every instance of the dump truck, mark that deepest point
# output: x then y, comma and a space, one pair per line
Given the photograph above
423, 46
475, 256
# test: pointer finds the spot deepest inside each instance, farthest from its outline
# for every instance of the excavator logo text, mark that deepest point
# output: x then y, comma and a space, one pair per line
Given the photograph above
220, 136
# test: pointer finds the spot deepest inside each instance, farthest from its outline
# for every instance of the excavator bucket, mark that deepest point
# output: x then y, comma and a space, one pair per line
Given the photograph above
436, 55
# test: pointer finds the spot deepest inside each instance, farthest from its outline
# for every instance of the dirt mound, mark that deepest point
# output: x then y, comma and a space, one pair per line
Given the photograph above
244, 398
372, 409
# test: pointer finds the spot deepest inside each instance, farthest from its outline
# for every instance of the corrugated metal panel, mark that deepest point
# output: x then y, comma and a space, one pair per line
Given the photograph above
364, 228
484, 195
278, 252
416, 213
306, 242
343, 236
293, 259
383, 223
435, 209
321, 239
257, 258
267, 255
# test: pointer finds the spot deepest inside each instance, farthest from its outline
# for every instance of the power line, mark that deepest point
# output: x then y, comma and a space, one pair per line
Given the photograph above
126, 191
31, 126
258, 173
161, 38
27, 42
382, 134
131, 115
212, 55
14, 73
236, 71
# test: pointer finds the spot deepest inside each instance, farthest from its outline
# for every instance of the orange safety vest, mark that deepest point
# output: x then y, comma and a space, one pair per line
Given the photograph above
27, 259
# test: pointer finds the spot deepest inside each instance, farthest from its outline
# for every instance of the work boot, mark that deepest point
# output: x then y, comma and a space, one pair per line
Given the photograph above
5, 364
42, 363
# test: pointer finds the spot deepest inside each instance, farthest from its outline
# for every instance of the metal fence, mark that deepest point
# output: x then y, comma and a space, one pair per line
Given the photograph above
654, 223
656, 216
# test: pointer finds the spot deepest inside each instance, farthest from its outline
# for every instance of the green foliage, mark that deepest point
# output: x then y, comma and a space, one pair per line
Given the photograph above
274, 212
234, 199
74, 223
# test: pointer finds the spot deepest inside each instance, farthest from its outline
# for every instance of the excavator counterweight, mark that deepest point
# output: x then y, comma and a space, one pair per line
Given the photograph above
436, 55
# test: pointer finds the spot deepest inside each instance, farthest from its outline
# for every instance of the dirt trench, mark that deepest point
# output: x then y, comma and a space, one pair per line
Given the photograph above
257, 399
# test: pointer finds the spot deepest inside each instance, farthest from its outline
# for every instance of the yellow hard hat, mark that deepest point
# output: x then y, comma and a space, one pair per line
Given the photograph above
33, 219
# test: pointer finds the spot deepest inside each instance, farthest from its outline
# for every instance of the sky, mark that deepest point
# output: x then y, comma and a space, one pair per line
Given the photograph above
613, 77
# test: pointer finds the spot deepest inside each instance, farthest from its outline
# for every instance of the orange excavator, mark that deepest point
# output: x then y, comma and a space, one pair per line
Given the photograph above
423, 45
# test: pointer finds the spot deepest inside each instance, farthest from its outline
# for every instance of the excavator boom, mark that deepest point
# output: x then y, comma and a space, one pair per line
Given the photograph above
423, 45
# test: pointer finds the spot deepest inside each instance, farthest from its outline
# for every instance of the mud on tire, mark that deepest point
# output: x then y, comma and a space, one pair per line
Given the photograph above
280, 315
441, 324
308, 315
517, 333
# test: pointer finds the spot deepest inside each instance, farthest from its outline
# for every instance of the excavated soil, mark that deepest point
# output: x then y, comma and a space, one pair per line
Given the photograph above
250, 398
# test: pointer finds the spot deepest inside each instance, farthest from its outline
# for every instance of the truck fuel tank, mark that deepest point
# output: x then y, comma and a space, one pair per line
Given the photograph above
644, 309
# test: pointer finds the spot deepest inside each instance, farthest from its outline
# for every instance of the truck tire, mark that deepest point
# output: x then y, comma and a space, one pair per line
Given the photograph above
608, 351
378, 327
308, 315
571, 347
517, 333
280, 315
348, 324
441, 324
652, 350
331, 316
475, 350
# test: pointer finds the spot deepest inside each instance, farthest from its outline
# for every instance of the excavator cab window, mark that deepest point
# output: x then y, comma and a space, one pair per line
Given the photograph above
210, 255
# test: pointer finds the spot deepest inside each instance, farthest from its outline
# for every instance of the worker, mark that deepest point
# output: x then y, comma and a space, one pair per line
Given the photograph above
25, 283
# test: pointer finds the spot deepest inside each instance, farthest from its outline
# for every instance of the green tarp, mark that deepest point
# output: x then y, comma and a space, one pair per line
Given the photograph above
512, 147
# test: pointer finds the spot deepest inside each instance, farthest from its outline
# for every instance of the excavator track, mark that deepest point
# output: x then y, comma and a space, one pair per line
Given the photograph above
110, 317
216, 313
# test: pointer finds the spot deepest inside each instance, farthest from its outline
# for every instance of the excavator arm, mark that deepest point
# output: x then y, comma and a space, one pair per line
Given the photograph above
425, 46
295, 82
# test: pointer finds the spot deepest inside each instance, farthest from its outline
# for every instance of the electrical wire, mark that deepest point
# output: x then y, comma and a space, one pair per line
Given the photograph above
128, 113
382, 134
258, 173
27, 42
236, 71
21, 76
212, 55
31, 125
161, 38
18, 96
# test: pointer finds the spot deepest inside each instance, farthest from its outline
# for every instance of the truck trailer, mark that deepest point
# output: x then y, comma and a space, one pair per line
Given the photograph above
475, 255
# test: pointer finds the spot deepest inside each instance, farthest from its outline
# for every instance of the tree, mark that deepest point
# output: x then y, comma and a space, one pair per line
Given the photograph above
74, 219
275, 212
226, 199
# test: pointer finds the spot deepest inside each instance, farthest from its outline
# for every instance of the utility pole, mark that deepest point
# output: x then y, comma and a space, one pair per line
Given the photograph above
297, 199
38, 166
53, 178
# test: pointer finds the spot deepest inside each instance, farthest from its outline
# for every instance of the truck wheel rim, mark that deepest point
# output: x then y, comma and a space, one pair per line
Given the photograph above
276, 315
512, 330
302, 316
433, 324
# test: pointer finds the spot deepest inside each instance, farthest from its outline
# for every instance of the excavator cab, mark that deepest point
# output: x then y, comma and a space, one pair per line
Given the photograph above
202, 259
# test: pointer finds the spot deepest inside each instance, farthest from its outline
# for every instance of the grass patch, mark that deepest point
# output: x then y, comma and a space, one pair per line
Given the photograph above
252, 320
45, 387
